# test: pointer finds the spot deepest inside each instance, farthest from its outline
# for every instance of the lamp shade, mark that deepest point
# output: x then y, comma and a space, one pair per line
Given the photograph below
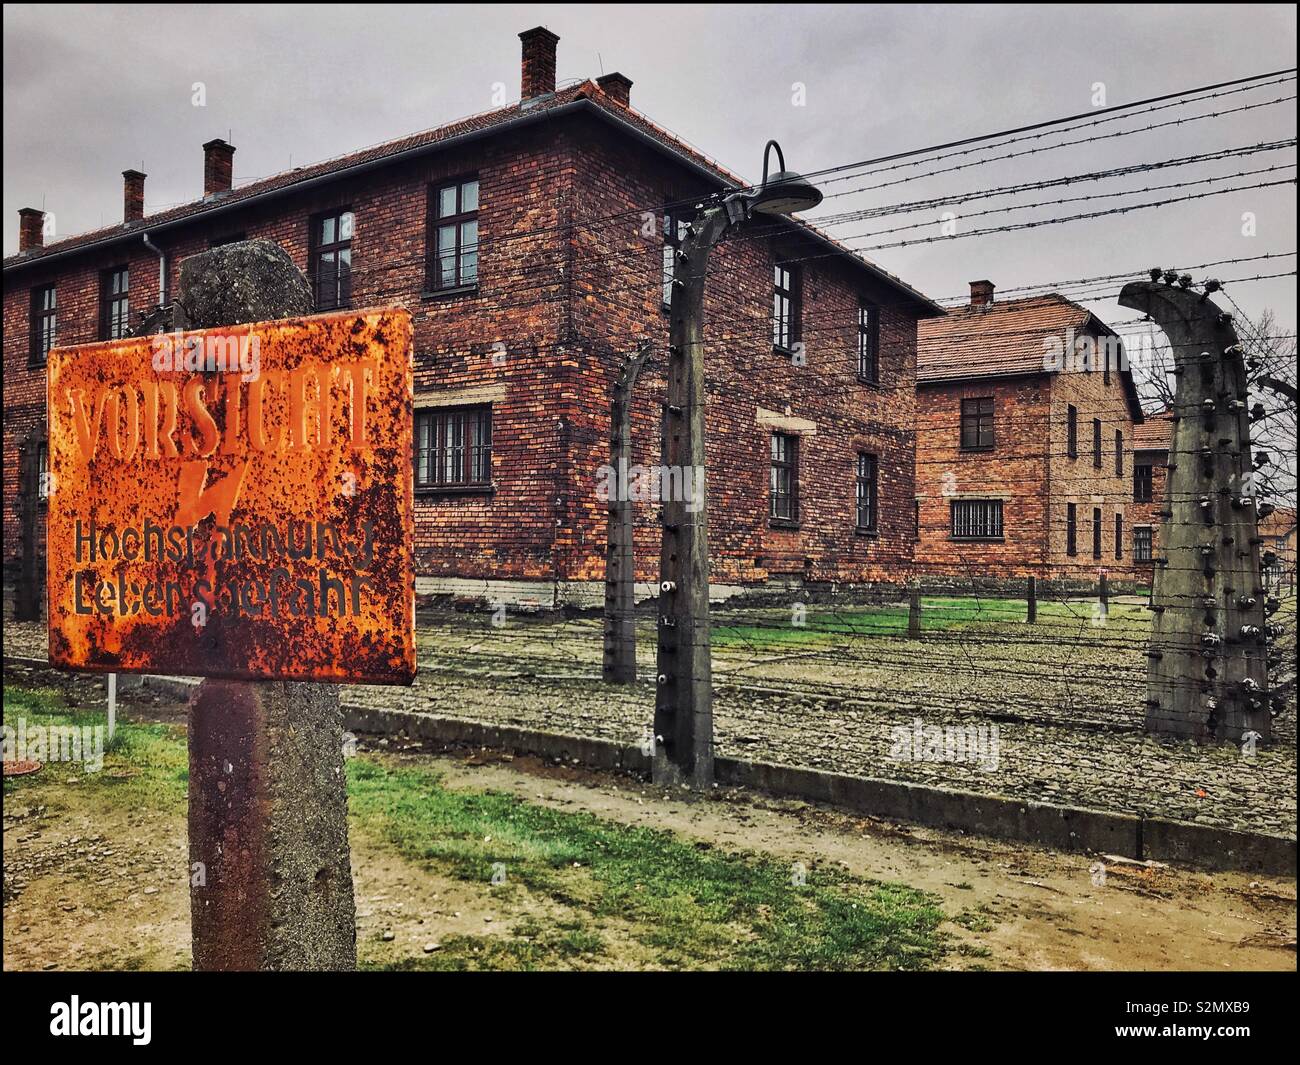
786, 192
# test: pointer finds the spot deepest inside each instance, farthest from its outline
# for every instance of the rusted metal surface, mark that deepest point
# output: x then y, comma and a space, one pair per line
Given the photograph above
248, 514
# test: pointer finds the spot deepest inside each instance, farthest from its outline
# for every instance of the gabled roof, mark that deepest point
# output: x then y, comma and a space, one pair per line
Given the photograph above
1005, 339
1154, 434
1279, 523
585, 96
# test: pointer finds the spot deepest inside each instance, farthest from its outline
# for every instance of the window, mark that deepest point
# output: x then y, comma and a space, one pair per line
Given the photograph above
43, 327
868, 502
916, 519
977, 424
1072, 431
977, 519
453, 212
1142, 484
331, 259
1096, 442
1096, 532
1071, 529
1119, 453
453, 447
1119, 536
785, 307
868, 342
114, 303
1141, 543
229, 238
785, 478
43, 486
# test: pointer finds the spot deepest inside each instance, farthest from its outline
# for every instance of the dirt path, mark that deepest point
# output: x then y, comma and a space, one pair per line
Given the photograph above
1031, 908
113, 894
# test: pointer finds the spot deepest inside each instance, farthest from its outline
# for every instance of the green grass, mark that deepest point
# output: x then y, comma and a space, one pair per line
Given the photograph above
532, 946
618, 894
143, 764
686, 904
938, 614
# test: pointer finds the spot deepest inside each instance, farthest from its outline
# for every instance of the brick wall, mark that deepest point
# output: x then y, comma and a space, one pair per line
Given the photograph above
1015, 471
1090, 487
617, 297
1030, 470
1149, 513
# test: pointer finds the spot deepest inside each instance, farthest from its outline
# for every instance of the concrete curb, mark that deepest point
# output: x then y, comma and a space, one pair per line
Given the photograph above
1062, 827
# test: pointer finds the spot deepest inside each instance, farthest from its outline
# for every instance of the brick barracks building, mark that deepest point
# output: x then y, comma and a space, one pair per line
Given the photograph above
531, 246
1024, 445
1150, 475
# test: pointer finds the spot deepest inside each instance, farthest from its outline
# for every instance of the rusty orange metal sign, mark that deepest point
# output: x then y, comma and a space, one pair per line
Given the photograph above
236, 502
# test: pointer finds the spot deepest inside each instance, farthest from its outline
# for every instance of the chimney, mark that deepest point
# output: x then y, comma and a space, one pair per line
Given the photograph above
617, 87
981, 295
538, 62
31, 229
218, 167
132, 195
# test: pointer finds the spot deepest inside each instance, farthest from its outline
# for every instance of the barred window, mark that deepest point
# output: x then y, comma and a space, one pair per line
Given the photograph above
115, 303
1142, 485
977, 424
1119, 536
1072, 431
785, 307
785, 477
1096, 442
1119, 453
977, 519
453, 447
453, 221
1142, 543
331, 259
867, 492
868, 342
1096, 532
44, 323
1071, 529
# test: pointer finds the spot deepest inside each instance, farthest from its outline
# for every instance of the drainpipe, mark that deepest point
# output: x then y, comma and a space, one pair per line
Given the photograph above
162, 269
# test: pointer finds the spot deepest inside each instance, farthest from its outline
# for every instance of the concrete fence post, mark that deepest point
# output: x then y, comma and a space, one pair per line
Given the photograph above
31, 581
914, 610
1207, 676
619, 666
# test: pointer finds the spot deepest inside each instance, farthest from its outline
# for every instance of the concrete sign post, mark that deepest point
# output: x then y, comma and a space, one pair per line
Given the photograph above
234, 501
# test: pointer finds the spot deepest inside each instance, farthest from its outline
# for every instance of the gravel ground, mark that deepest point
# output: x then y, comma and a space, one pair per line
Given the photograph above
1065, 698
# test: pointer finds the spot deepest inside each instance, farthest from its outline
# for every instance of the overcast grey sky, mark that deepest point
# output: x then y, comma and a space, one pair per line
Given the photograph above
90, 91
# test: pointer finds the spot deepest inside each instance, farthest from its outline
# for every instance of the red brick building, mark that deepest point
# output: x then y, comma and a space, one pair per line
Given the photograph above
1150, 475
1151, 442
1025, 423
529, 245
